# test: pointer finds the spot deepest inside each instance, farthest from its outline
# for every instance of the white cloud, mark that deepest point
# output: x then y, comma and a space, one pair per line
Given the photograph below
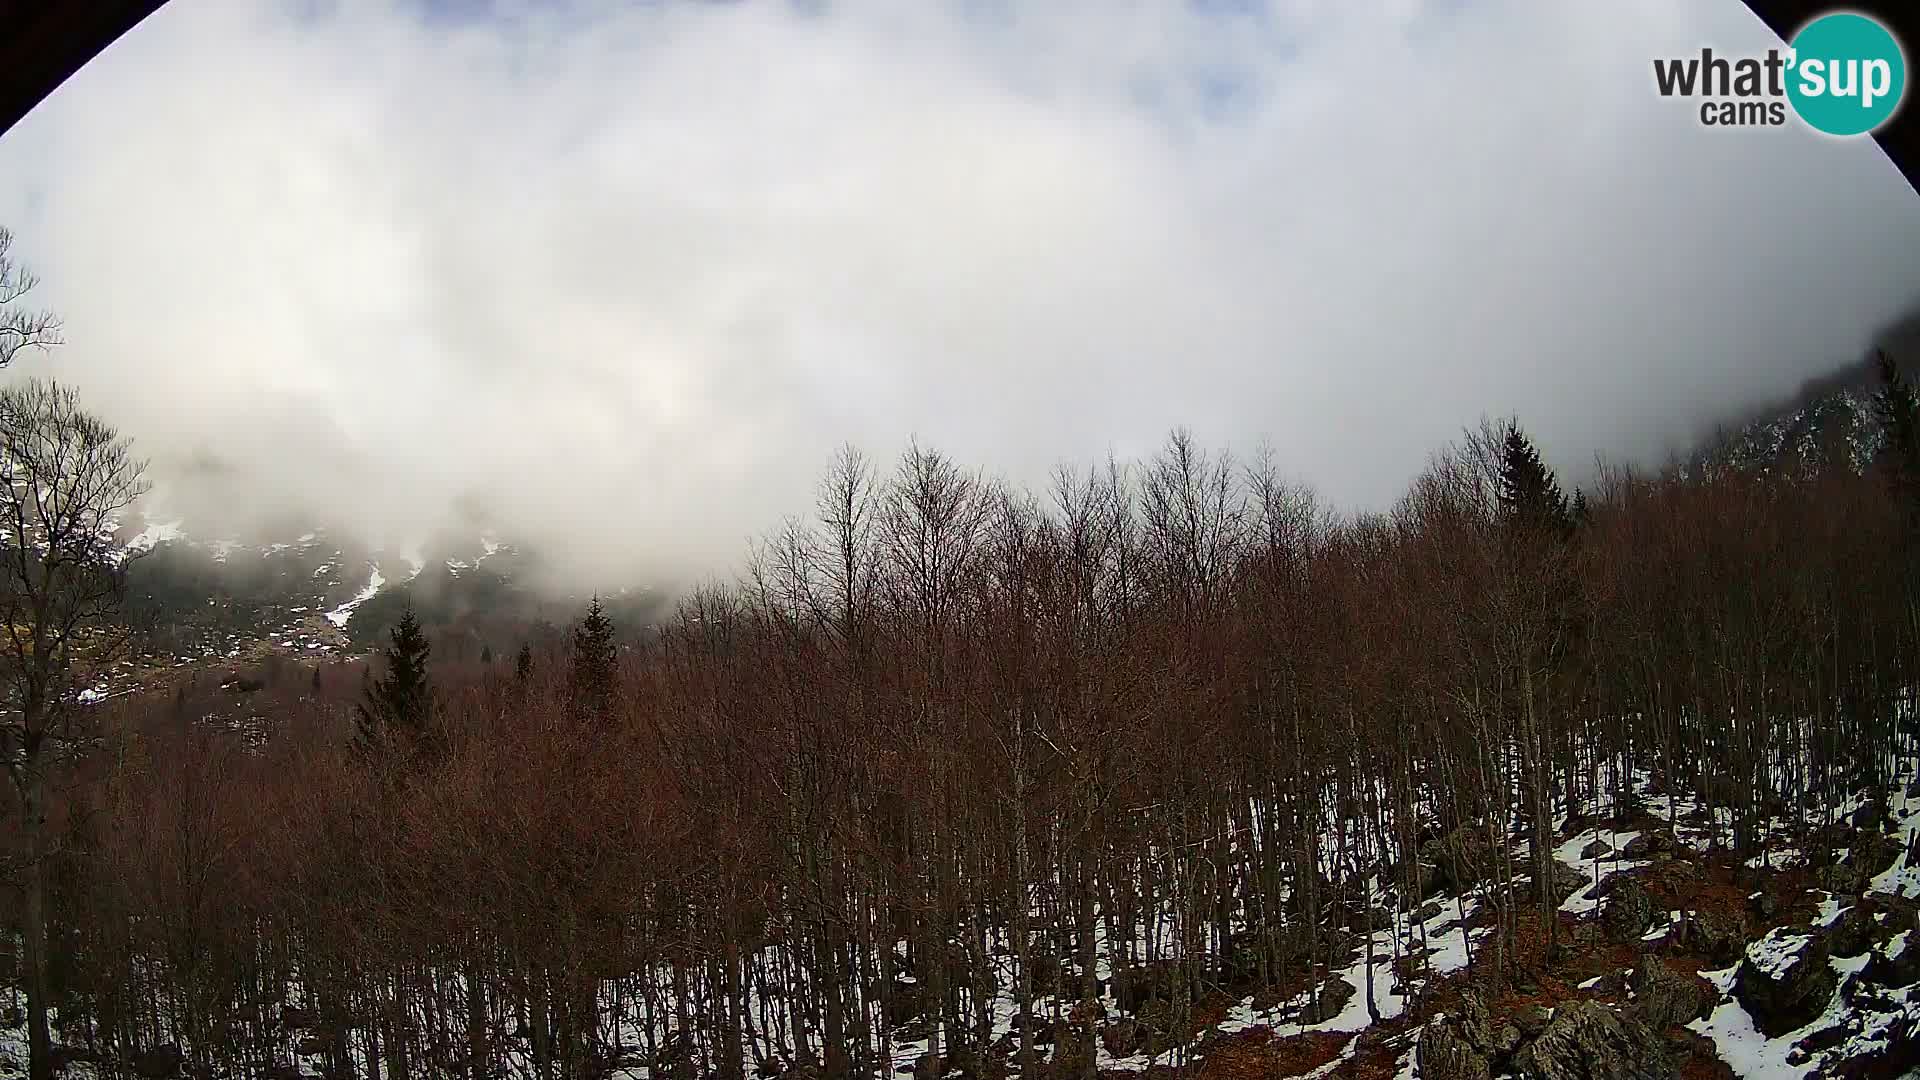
630, 271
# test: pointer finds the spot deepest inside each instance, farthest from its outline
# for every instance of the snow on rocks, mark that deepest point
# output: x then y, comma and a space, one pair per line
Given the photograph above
155, 534
1785, 981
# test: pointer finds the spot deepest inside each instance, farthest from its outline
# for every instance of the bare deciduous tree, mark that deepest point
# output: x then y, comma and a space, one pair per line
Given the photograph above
20, 327
65, 477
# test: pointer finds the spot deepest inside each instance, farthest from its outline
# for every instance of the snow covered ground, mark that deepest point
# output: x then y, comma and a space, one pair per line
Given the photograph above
1443, 929
339, 616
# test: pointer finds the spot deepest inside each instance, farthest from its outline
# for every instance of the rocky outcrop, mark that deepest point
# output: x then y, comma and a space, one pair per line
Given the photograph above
1563, 881
1842, 878
1444, 1054
1495, 1038
1717, 935
1895, 964
1588, 1041
1674, 877
1785, 981
1460, 859
1328, 1002
1663, 998
1873, 852
1851, 932
1628, 910
1467, 1043
1652, 842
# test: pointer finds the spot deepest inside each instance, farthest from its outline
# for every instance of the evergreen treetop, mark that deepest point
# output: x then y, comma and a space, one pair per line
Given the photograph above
594, 665
1898, 412
1530, 498
399, 704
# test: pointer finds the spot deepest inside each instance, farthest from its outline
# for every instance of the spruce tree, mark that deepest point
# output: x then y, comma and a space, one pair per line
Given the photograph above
486, 654
1530, 498
591, 680
523, 663
1898, 413
399, 704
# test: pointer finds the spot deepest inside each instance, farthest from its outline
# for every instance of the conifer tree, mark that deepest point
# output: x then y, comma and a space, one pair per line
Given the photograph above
591, 681
1530, 498
523, 663
486, 654
1898, 412
399, 704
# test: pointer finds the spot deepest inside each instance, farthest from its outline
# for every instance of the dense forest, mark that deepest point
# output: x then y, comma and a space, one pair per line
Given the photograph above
1164, 733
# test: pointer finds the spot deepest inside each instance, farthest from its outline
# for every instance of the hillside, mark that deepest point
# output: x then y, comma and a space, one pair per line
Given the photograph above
1828, 418
314, 596
1168, 778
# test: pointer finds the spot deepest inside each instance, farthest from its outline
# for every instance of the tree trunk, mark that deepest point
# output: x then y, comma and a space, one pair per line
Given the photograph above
33, 929
1022, 953
476, 1023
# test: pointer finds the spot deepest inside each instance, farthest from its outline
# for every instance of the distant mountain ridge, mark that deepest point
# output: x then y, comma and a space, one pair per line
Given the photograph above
199, 597
1828, 414
316, 596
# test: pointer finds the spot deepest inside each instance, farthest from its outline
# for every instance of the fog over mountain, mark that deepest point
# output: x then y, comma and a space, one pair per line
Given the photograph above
621, 276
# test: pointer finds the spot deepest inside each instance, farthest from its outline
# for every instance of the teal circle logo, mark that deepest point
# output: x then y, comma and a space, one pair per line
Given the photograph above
1848, 74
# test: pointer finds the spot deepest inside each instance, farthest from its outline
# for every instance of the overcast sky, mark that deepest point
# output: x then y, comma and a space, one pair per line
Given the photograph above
630, 271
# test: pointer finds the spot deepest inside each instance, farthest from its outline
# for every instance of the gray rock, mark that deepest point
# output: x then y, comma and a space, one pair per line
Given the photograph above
1482, 1032
1460, 859
1663, 997
1532, 1020
1423, 879
1851, 933
1784, 981
1329, 1002
1443, 1054
1565, 880
1714, 934
1891, 970
1842, 879
1873, 852
1628, 910
1588, 1041
1651, 842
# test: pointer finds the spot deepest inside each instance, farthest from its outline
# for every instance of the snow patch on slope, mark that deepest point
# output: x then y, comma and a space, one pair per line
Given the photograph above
339, 616
155, 534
